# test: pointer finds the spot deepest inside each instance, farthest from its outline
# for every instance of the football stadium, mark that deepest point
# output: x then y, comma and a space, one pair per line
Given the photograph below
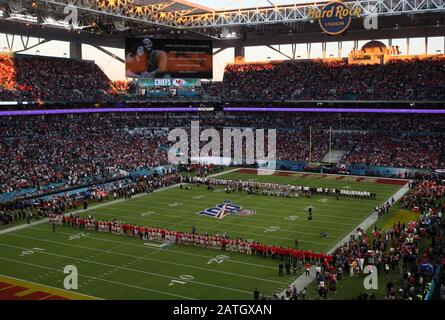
237, 151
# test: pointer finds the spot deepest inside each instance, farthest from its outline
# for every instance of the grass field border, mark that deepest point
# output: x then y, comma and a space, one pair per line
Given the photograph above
34, 225
100, 205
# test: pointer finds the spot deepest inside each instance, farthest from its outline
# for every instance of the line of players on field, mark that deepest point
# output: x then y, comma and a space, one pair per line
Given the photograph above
217, 242
282, 189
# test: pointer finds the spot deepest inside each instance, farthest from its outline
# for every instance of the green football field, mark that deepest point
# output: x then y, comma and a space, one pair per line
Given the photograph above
118, 267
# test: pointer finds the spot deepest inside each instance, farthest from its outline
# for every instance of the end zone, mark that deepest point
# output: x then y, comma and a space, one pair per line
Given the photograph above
16, 289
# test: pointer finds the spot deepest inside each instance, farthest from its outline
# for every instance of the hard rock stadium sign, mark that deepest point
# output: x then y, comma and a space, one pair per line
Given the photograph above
335, 17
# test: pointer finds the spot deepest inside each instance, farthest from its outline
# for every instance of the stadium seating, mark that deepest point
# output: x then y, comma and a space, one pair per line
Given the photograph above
56, 79
52, 79
66, 151
336, 80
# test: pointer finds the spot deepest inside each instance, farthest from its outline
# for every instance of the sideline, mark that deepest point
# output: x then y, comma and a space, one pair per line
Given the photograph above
109, 203
303, 282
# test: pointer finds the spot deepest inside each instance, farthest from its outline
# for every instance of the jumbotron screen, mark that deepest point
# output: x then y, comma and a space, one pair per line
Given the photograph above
168, 58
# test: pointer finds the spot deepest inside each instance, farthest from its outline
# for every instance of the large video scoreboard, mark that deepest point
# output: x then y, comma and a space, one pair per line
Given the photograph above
168, 58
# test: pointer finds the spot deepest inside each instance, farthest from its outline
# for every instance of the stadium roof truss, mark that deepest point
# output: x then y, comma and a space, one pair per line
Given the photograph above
299, 12
107, 22
181, 14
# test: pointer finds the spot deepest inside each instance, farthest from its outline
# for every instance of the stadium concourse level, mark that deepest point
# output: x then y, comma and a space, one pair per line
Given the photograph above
46, 154
39, 78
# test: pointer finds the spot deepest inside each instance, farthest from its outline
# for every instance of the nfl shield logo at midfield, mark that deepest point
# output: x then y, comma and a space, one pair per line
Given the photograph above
223, 209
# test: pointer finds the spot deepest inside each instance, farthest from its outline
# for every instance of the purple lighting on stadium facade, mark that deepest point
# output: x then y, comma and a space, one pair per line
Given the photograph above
96, 110
354, 110
195, 109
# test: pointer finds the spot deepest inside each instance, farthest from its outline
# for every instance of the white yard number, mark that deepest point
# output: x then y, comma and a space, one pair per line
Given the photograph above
184, 279
218, 259
148, 213
272, 229
78, 236
292, 218
30, 251
175, 204
71, 280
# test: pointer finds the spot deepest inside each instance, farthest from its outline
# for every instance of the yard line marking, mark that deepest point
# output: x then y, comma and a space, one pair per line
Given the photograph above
100, 205
139, 258
128, 269
231, 223
368, 221
157, 246
95, 278
237, 232
348, 218
299, 173
321, 205
175, 251
315, 198
258, 217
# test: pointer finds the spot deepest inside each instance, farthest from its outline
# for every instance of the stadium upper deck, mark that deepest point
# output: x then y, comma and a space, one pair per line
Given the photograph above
44, 79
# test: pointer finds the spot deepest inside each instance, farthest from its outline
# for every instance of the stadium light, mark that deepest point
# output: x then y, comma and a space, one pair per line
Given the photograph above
326, 110
22, 17
226, 34
50, 21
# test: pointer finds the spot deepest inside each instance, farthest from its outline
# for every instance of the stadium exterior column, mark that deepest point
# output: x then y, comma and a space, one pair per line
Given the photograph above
407, 46
426, 45
76, 50
340, 48
239, 54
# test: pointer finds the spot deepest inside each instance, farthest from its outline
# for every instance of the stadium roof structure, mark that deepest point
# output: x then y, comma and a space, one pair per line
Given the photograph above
108, 22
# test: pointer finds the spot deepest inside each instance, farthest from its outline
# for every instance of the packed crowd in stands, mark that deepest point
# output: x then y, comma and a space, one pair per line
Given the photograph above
395, 150
424, 194
270, 81
52, 79
211, 88
396, 250
68, 151
65, 152
336, 80
22, 209
59, 79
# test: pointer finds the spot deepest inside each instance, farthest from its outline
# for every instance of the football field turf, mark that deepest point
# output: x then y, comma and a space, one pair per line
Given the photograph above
119, 267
